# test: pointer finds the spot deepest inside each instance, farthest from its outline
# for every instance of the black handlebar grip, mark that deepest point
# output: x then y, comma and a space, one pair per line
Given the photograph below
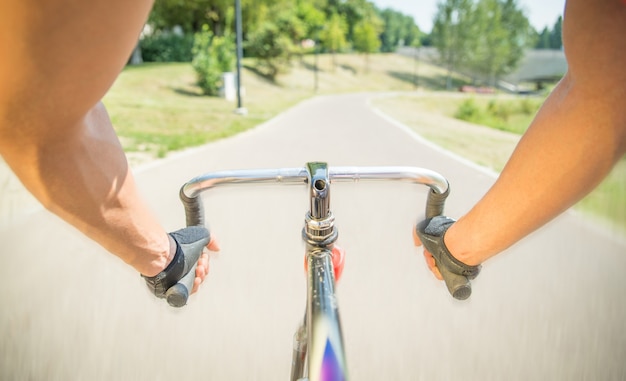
178, 294
458, 285
194, 211
436, 202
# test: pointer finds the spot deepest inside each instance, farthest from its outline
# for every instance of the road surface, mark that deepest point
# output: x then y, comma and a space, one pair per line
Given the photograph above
550, 308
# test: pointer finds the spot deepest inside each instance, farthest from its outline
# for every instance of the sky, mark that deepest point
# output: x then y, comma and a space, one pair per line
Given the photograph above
541, 13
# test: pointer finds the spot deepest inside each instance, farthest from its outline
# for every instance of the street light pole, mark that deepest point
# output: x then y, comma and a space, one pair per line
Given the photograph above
238, 31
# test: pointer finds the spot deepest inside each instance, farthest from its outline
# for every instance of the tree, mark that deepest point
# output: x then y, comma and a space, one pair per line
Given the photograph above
412, 33
543, 39
334, 35
501, 33
366, 39
191, 15
451, 34
274, 42
399, 29
556, 38
392, 31
519, 36
312, 18
355, 11
271, 47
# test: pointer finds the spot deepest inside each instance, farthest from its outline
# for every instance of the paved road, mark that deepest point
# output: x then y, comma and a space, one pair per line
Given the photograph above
551, 308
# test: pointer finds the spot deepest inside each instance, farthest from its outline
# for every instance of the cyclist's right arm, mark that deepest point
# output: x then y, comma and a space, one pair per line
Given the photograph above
571, 145
58, 59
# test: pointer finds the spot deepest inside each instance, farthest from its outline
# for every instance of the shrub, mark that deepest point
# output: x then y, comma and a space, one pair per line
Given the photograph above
468, 111
528, 107
166, 47
500, 110
212, 56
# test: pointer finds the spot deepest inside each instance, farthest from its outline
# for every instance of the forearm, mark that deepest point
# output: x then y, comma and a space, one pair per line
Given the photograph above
569, 148
81, 174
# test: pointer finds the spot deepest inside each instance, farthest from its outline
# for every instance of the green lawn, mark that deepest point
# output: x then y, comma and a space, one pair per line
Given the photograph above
157, 109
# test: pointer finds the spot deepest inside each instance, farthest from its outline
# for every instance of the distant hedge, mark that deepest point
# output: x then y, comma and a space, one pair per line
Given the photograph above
166, 47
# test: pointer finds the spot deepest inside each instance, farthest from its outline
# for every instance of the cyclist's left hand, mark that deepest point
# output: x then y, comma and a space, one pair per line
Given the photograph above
190, 249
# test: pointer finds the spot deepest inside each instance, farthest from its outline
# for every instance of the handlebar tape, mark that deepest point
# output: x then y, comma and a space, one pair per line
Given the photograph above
436, 202
194, 210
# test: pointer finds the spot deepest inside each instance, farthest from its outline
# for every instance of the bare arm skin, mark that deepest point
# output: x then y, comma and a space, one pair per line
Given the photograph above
59, 58
572, 144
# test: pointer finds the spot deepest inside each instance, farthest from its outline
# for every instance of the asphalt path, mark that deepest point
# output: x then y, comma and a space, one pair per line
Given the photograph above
551, 308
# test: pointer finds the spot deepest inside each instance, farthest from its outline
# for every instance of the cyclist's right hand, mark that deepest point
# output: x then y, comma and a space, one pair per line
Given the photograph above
190, 255
442, 263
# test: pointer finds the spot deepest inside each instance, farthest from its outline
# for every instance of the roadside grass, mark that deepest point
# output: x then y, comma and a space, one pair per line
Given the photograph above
608, 200
432, 116
156, 109
512, 115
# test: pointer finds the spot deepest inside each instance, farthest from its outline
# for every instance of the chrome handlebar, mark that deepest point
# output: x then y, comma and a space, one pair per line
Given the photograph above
316, 175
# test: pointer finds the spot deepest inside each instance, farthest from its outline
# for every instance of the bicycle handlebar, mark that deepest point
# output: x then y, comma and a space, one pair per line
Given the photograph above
194, 212
193, 206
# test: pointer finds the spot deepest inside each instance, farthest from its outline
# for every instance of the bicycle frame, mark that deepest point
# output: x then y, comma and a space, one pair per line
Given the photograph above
318, 353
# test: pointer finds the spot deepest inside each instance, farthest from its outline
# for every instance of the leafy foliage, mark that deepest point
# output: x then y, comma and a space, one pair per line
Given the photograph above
334, 35
272, 47
398, 30
166, 47
366, 37
451, 33
504, 34
551, 38
213, 55
486, 38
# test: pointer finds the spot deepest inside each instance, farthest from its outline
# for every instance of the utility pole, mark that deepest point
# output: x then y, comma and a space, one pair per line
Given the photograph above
415, 74
240, 109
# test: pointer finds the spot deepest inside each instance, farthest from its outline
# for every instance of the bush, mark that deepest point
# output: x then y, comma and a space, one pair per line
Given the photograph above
528, 107
468, 111
212, 56
500, 110
166, 47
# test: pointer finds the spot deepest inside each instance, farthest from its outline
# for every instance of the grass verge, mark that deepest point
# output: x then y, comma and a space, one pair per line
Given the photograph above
432, 116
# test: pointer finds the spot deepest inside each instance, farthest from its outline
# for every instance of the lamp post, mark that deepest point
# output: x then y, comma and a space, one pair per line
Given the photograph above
415, 74
238, 31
